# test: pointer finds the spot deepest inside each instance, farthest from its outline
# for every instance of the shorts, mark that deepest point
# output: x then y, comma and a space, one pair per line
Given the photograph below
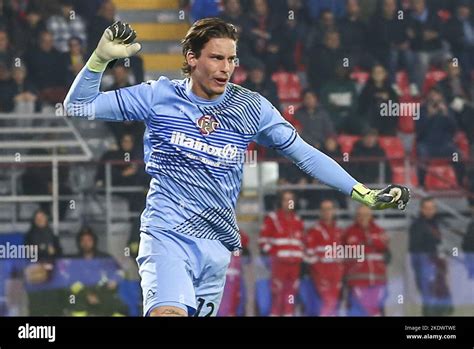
182, 271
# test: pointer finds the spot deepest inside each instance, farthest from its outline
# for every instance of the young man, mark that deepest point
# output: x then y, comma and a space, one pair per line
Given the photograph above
197, 130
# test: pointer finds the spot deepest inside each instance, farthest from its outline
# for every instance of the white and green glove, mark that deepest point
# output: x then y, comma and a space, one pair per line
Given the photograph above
393, 196
115, 43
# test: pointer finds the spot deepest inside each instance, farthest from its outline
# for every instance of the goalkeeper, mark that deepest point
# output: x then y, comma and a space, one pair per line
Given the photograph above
196, 132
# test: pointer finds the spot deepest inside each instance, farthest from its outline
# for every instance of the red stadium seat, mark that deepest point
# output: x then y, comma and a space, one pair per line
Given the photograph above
288, 85
289, 111
462, 143
392, 146
360, 76
346, 142
440, 176
406, 123
399, 175
432, 78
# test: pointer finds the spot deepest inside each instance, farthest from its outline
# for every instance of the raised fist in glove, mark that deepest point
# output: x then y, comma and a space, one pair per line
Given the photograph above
393, 196
115, 43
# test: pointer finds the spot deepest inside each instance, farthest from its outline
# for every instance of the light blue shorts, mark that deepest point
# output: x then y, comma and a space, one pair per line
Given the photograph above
182, 271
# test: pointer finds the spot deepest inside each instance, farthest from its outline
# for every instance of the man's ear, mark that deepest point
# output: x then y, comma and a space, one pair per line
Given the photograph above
191, 59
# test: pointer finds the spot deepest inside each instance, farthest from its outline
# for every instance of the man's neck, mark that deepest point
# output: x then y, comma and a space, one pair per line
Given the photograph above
198, 91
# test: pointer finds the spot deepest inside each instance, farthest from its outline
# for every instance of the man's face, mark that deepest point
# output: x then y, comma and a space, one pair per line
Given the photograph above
87, 243
327, 211
212, 70
370, 140
310, 101
41, 220
389, 6
353, 8
127, 143
257, 75
3, 41
428, 209
364, 216
288, 201
46, 42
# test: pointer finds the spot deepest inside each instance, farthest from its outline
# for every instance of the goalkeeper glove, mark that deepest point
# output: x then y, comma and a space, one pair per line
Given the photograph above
393, 196
115, 43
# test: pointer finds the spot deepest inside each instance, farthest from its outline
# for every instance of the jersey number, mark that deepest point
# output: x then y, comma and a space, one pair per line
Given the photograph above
210, 305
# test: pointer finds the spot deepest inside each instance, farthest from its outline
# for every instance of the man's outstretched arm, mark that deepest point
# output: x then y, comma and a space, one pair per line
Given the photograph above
84, 98
276, 132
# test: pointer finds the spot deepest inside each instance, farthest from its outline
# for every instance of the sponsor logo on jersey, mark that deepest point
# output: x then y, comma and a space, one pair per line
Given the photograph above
229, 151
207, 124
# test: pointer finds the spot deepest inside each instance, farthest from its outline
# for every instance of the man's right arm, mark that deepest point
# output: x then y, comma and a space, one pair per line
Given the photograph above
84, 98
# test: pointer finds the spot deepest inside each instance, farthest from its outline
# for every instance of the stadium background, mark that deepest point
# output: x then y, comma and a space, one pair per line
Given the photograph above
326, 64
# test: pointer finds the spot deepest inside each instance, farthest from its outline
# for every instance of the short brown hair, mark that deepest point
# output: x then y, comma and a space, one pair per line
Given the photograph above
200, 33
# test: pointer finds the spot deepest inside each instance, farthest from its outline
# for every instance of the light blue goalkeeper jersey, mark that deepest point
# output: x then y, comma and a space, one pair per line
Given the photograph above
194, 149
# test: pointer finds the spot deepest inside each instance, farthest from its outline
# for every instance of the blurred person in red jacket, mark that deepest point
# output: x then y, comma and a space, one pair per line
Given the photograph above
366, 250
326, 270
233, 289
281, 238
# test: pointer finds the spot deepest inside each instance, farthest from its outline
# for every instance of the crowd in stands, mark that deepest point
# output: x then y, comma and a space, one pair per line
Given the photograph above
329, 67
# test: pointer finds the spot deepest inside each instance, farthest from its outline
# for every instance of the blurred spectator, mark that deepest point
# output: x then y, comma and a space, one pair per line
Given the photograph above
258, 81
102, 298
87, 9
75, 57
424, 32
366, 157
339, 97
125, 171
317, 7
233, 297
332, 149
316, 34
37, 180
25, 98
27, 33
435, 134
47, 70
87, 245
377, 91
41, 235
326, 271
366, 274
66, 26
281, 239
460, 35
354, 35
457, 91
205, 8
326, 60
7, 89
121, 77
262, 45
6, 54
105, 17
233, 14
389, 43
429, 267
316, 125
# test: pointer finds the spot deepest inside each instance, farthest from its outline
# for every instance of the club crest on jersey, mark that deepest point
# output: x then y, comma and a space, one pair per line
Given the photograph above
207, 124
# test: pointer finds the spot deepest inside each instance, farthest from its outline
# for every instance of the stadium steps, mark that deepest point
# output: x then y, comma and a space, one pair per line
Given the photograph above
160, 25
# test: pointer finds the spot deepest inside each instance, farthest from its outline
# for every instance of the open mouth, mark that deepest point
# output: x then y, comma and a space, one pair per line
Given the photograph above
221, 81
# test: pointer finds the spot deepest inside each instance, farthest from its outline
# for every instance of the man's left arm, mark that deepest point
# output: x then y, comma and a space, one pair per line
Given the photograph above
277, 133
